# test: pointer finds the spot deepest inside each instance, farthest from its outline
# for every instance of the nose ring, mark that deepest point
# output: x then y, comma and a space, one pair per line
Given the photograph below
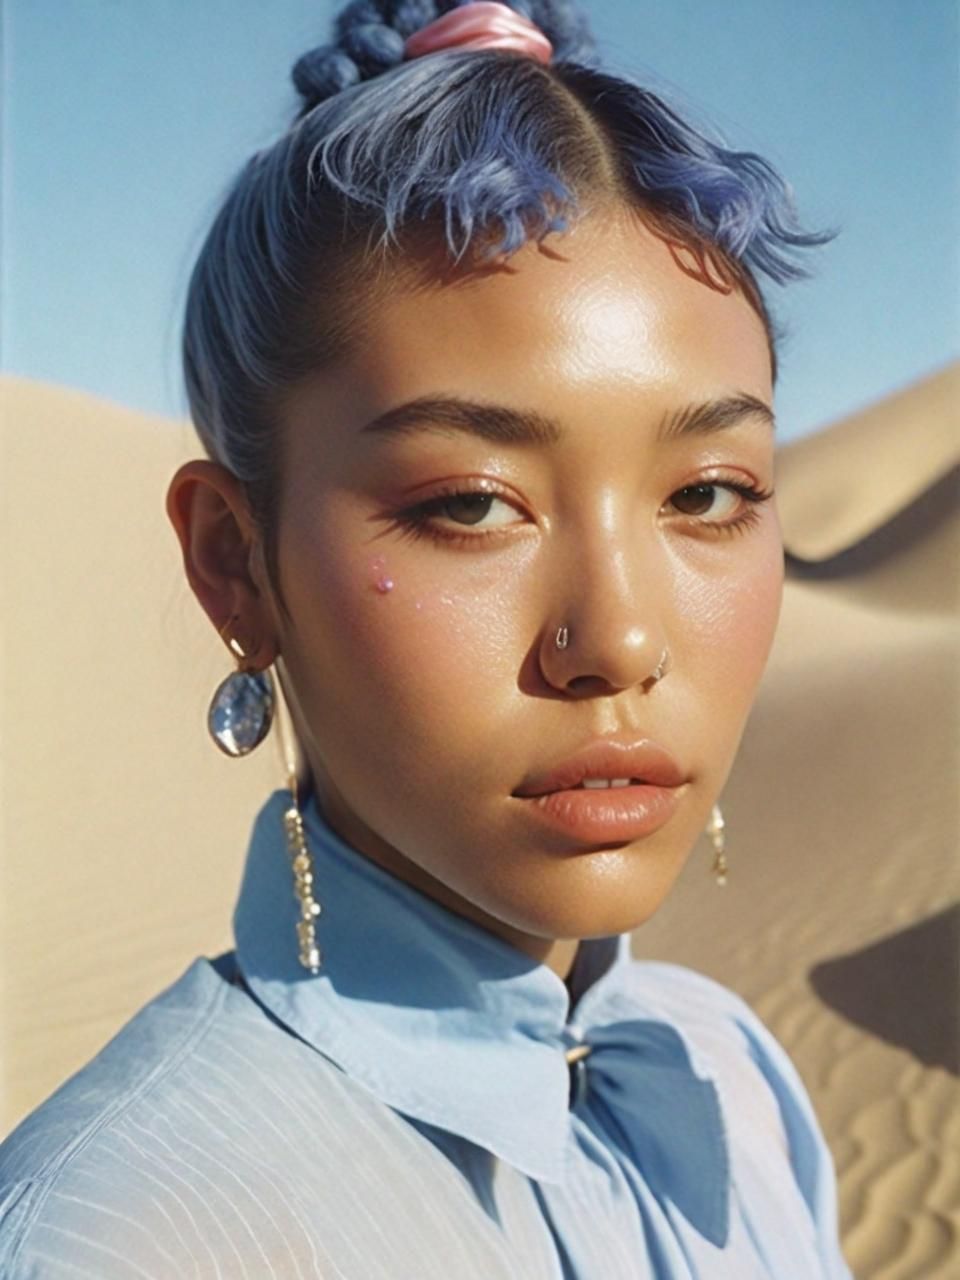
660, 670
562, 639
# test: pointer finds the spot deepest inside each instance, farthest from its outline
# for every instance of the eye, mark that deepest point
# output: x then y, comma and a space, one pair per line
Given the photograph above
448, 516
715, 500
471, 506
720, 506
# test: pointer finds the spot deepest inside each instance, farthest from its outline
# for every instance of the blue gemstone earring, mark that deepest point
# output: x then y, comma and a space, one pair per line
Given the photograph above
242, 707
240, 715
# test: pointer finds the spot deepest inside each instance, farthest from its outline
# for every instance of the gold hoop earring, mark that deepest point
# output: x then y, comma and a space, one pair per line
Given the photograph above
715, 830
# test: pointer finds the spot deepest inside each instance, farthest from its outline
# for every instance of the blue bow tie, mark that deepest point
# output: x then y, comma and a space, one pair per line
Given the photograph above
637, 1077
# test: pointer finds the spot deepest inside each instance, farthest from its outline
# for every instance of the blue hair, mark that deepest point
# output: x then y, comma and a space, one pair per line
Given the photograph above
474, 151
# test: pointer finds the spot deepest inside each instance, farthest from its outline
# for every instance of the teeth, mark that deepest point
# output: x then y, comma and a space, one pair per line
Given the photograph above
605, 782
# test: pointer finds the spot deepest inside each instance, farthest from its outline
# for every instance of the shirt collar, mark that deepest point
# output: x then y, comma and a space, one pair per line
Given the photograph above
439, 1018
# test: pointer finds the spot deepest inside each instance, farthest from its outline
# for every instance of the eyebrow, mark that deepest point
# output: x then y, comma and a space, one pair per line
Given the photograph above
715, 415
503, 424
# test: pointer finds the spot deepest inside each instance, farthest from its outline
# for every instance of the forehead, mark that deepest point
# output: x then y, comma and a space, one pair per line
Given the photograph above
605, 307
601, 329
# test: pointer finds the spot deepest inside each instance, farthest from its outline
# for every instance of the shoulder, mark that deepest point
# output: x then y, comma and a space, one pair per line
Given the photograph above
728, 1039
724, 1020
74, 1122
767, 1109
715, 1018
142, 1053
189, 1143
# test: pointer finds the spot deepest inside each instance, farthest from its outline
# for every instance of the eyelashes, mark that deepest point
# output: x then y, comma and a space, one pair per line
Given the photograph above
422, 520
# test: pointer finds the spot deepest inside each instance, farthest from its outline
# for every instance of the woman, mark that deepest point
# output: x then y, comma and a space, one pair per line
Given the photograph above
479, 356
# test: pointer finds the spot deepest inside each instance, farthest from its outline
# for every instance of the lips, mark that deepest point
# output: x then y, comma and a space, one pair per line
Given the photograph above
642, 760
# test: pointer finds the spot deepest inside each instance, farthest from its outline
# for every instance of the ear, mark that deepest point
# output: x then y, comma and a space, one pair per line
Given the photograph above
208, 507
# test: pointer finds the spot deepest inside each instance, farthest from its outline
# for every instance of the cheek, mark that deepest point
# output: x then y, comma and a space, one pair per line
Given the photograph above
413, 633
729, 603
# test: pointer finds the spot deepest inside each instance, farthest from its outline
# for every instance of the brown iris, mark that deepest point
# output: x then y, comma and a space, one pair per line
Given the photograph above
695, 499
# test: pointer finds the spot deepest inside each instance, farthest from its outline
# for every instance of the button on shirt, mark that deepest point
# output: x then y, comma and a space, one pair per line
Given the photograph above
433, 1104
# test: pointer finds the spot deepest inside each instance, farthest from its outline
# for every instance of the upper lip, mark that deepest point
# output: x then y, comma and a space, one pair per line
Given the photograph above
614, 757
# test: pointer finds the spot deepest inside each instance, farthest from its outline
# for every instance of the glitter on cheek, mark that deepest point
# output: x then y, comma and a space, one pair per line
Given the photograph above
382, 583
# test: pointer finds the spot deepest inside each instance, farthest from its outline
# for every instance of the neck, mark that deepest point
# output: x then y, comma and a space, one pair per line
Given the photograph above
557, 954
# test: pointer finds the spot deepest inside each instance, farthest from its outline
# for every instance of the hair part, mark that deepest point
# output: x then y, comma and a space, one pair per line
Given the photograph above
469, 152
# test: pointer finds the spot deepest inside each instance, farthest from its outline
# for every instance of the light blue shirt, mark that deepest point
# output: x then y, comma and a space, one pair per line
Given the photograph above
410, 1114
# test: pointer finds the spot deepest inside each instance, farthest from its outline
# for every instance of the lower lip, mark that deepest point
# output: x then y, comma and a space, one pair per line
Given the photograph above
613, 813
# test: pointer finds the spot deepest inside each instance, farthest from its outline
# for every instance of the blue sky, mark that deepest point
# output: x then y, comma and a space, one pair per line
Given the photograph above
124, 120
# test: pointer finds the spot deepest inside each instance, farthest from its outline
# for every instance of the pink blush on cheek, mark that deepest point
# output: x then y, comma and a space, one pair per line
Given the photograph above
742, 627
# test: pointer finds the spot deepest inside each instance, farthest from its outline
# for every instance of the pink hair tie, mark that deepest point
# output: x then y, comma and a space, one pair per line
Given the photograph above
486, 24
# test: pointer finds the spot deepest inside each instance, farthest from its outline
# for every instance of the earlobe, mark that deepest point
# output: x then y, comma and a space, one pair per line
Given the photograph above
210, 514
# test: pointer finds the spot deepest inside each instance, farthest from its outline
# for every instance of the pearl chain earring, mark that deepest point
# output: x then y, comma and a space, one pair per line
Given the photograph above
715, 830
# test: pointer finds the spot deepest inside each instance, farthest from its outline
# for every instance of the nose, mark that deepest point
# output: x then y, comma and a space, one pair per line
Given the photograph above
611, 608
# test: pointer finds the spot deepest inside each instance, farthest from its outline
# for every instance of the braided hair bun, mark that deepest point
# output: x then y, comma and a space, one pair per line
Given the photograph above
369, 38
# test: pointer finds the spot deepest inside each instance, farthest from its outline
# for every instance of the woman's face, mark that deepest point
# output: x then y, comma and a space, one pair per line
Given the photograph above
421, 652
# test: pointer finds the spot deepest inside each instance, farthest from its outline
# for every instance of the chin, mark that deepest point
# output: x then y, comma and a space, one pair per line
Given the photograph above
588, 914
617, 917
